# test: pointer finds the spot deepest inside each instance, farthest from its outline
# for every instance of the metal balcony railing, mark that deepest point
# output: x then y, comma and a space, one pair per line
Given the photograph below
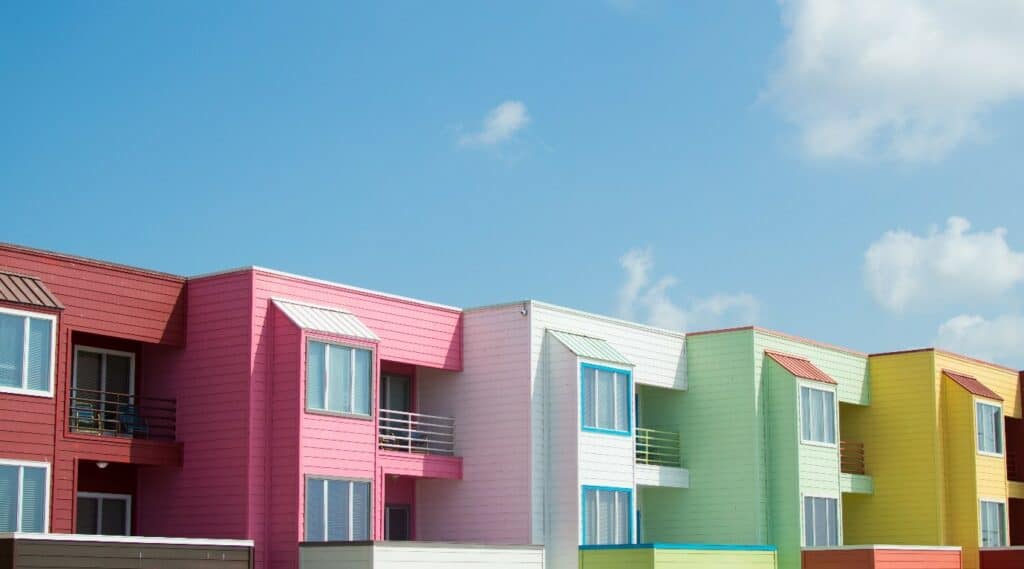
112, 414
416, 432
851, 457
657, 447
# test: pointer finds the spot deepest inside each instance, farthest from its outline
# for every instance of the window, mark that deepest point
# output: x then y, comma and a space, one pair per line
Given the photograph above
606, 399
337, 510
607, 513
103, 514
26, 352
821, 522
817, 416
993, 524
24, 496
990, 428
338, 378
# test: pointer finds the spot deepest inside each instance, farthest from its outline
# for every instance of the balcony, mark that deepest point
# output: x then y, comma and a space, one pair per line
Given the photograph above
403, 431
658, 448
659, 459
853, 478
121, 415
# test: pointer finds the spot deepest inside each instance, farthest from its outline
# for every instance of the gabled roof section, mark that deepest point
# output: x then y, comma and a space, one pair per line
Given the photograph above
323, 319
972, 385
27, 291
800, 367
590, 348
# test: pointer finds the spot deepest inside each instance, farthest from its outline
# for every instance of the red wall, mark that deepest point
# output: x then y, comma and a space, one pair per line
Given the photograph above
877, 558
1002, 558
99, 298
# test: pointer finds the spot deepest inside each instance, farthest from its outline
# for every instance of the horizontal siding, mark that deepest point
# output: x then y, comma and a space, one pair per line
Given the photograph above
713, 559
490, 402
404, 556
280, 513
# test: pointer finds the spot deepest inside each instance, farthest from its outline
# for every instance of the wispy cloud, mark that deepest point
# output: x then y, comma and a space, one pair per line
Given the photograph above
642, 298
500, 124
908, 80
997, 339
907, 271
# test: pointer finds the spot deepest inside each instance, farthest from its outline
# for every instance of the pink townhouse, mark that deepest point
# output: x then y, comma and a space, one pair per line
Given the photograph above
300, 416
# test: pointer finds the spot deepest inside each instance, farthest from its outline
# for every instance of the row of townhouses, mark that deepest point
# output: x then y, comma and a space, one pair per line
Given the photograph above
253, 418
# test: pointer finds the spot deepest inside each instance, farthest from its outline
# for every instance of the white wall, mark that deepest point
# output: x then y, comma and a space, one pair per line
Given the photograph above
490, 400
558, 378
400, 555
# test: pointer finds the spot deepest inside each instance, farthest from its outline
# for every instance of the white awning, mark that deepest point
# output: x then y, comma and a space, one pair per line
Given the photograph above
590, 348
326, 320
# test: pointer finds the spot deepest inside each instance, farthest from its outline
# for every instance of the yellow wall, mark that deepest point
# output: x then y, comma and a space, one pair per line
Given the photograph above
1004, 382
649, 558
902, 454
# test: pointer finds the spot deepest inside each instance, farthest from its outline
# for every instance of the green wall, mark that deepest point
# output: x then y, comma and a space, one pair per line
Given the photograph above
783, 463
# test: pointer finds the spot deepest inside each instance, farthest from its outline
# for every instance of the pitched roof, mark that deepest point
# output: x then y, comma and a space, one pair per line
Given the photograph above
26, 290
800, 367
592, 348
327, 320
972, 385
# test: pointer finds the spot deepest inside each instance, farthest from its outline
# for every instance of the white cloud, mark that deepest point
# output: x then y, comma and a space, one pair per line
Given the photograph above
907, 79
903, 270
640, 298
499, 125
999, 339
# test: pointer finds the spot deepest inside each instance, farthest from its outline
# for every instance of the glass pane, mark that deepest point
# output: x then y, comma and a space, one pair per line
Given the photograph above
605, 517
87, 373
362, 380
590, 516
118, 376
315, 510
33, 499
85, 520
315, 376
820, 522
112, 517
1000, 518
621, 402
12, 346
338, 510
360, 511
339, 379
395, 394
589, 397
622, 517
8, 498
809, 522
832, 507
605, 400
829, 420
39, 335
805, 413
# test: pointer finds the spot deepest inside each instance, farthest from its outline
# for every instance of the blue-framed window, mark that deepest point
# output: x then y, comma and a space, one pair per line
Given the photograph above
605, 400
607, 515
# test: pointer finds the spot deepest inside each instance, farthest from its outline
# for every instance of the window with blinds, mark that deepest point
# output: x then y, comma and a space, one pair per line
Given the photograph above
23, 497
338, 378
990, 428
605, 399
607, 515
26, 352
821, 521
993, 524
337, 510
817, 416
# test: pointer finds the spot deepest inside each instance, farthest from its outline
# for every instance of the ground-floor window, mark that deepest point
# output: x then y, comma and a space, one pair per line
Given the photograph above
337, 510
607, 513
24, 496
821, 521
993, 524
103, 514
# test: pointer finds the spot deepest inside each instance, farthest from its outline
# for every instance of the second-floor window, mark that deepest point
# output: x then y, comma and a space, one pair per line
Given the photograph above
338, 378
817, 416
26, 352
990, 428
605, 399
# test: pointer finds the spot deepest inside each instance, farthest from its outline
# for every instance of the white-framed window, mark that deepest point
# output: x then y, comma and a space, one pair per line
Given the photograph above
24, 496
338, 378
337, 510
821, 521
605, 399
817, 415
989, 419
27, 342
993, 523
607, 515
100, 513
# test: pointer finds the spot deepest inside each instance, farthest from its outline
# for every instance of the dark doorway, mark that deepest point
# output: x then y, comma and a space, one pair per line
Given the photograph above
396, 523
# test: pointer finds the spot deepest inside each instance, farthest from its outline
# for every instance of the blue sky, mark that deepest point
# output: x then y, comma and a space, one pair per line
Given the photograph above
693, 164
